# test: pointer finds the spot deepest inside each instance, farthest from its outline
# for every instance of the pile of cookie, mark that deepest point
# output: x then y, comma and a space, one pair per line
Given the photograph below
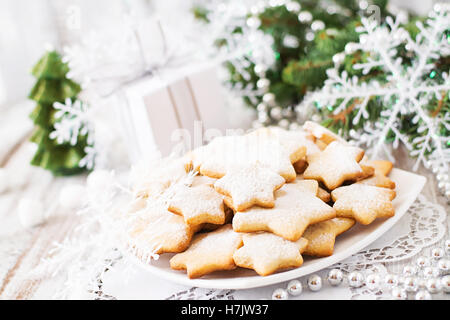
258, 201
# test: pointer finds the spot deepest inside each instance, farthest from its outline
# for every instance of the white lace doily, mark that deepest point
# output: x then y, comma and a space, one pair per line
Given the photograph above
424, 225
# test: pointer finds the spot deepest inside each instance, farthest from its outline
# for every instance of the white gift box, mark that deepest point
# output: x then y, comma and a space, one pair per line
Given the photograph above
178, 110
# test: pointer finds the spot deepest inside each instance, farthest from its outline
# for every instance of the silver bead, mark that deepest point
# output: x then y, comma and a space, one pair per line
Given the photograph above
315, 282
399, 294
409, 271
363, 4
310, 36
423, 295
294, 126
263, 84
290, 41
411, 284
391, 280
275, 113
444, 266
293, 6
445, 284
433, 285
283, 123
280, 294
263, 117
269, 99
437, 253
305, 17
317, 25
373, 281
423, 262
294, 287
355, 279
430, 272
335, 277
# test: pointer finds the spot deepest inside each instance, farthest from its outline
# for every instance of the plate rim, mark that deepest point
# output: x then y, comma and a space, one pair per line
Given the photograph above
287, 275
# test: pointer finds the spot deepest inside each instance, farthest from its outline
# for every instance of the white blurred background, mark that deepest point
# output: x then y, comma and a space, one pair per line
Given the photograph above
28, 26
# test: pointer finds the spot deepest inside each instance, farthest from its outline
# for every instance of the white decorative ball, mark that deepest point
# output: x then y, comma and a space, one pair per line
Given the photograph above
430, 272
433, 285
72, 196
423, 295
437, 253
269, 99
260, 70
355, 279
309, 36
262, 107
444, 266
315, 282
409, 271
445, 284
263, 84
280, 294
335, 277
31, 212
350, 48
317, 25
391, 280
338, 58
293, 6
399, 294
4, 181
295, 287
373, 281
275, 113
283, 123
305, 17
253, 22
411, 284
423, 262
294, 126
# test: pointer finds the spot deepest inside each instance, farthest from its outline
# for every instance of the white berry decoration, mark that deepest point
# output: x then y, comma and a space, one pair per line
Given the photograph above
433, 285
399, 294
445, 282
423, 295
373, 281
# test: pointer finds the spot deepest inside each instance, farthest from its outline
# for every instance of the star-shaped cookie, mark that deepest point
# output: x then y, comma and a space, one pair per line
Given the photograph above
199, 204
249, 185
321, 133
379, 178
363, 203
266, 253
209, 252
296, 207
156, 230
321, 236
224, 153
336, 164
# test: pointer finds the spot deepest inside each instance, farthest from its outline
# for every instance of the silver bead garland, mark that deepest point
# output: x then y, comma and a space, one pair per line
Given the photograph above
429, 275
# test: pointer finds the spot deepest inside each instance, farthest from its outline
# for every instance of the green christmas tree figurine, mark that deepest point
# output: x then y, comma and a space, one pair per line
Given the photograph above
53, 86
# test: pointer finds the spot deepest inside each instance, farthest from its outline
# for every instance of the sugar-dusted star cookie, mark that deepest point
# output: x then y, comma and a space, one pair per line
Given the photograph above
323, 195
199, 204
249, 185
154, 229
363, 203
379, 178
224, 153
209, 252
296, 207
266, 253
321, 236
321, 133
336, 164
152, 180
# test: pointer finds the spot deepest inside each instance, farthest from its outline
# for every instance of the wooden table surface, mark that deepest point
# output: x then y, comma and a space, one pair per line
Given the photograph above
21, 250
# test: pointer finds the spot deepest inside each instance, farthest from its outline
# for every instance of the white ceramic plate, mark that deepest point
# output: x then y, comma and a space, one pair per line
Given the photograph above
408, 187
